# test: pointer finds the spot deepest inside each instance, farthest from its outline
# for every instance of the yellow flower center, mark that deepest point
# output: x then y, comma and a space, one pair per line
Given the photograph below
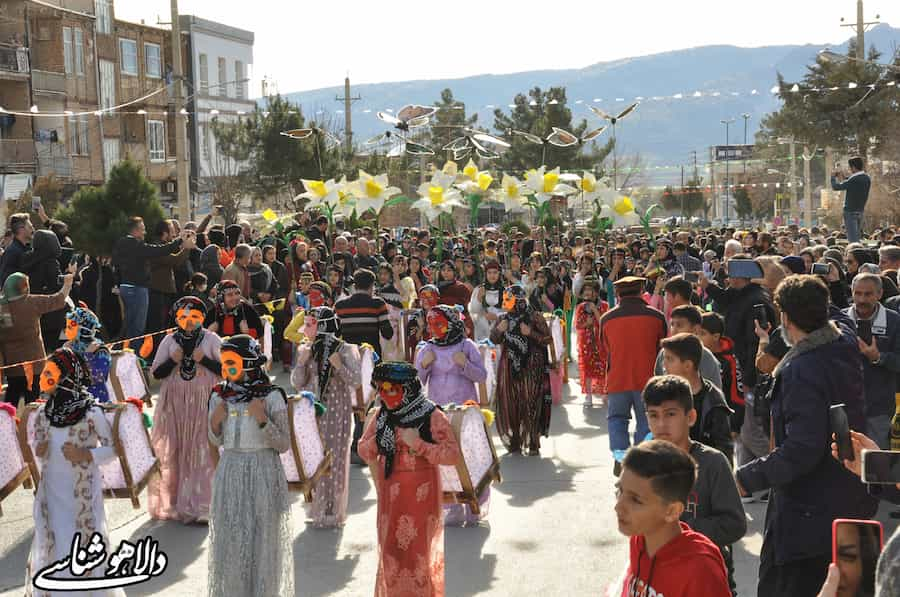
373, 189
436, 195
484, 181
624, 206
588, 185
470, 172
551, 179
318, 187
513, 191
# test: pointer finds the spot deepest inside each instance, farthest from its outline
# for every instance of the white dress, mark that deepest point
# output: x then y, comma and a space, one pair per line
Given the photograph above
478, 310
63, 491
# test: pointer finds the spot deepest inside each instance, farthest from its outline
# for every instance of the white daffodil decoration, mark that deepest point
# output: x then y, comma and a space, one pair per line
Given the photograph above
473, 182
590, 188
621, 211
319, 192
546, 185
371, 192
510, 194
345, 202
438, 196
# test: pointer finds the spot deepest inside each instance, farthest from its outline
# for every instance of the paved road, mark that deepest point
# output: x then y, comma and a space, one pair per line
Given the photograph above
551, 530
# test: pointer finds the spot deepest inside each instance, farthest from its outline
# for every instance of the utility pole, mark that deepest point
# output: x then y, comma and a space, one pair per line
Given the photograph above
795, 208
348, 123
860, 27
746, 118
181, 157
727, 124
682, 194
807, 188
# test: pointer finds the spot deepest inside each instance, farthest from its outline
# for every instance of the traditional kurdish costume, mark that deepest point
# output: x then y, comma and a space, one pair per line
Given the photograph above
336, 388
591, 352
487, 299
182, 490
410, 529
82, 326
226, 321
250, 549
69, 497
392, 349
523, 383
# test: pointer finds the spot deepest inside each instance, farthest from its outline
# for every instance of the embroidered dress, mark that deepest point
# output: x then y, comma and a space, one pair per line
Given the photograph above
99, 363
591, 352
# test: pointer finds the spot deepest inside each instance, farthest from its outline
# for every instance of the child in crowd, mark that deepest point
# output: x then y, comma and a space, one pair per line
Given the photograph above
591, 354
666, 557
712, 334
714, 505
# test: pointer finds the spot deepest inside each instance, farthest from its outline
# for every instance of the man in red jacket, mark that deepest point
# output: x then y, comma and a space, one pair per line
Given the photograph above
666, 557
631, 333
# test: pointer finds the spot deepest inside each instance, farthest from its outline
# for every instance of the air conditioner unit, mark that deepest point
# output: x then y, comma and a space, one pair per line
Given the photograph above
170, 187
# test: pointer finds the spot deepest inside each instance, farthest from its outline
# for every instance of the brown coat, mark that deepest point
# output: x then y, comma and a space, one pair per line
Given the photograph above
162, 271
239, 275
23, 341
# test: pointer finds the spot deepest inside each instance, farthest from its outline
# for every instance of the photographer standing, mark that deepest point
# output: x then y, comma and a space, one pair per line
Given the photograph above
857, 187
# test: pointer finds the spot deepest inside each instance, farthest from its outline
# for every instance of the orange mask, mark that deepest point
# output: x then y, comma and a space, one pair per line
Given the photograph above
189, 319
50, 376
428, 299
391, 394
71, 329
232, 366
509, 301
438, 326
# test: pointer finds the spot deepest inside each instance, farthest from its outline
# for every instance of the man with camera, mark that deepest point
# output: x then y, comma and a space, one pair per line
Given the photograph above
857, 187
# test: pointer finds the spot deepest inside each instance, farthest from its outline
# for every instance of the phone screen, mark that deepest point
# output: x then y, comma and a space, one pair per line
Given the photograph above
840, 426
880, 467
855, 547
864, 330
761, 315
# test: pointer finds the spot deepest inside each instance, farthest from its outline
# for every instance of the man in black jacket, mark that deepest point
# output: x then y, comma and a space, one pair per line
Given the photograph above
857, 186
131, 258
11, 261
809, 487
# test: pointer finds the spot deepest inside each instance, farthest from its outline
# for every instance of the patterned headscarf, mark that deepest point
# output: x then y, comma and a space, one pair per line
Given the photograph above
517, 344
71, 401
325, 344
188, 341
456, 331
414, 410
88, 325
221, 288
256, 383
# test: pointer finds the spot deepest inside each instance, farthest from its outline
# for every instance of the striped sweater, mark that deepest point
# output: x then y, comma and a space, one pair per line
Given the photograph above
364, 318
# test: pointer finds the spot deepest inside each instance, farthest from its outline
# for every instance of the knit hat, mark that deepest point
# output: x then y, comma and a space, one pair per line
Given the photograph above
795, 264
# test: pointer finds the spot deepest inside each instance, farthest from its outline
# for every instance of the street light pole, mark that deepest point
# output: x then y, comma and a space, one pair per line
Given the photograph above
181, 157
727, 124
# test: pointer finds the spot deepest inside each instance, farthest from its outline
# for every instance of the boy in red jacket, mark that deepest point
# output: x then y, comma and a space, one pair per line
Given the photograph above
712, 334
666, 556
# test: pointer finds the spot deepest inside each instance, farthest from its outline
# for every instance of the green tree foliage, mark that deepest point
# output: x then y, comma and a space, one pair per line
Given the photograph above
447, 124
848, 119
534, 113
98, 216
687, 200
742, 204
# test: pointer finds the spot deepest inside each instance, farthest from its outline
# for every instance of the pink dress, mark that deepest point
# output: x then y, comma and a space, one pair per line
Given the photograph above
183, 488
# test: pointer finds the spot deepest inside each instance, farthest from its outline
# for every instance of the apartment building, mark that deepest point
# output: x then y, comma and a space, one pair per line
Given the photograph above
219, 66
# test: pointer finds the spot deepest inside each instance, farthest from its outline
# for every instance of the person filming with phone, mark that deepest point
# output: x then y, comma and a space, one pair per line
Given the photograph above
878, 331
857, 186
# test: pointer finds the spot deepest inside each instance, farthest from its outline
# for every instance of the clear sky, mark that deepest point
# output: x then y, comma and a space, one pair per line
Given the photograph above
307, 45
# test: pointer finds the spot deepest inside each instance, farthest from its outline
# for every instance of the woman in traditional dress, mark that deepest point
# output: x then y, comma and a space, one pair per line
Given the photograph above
454, 292
591, 352
405, 440
486, 304
72, 440
329, 368
250, 549
389, 292
233, 315
523, 382
188, 363
82, 326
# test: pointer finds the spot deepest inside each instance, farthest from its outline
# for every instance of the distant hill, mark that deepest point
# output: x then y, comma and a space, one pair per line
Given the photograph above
664, 132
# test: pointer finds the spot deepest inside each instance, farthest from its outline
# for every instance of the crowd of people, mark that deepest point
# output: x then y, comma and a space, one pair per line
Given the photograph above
727, 347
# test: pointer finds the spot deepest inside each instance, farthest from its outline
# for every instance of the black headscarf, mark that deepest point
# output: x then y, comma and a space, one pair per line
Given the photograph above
71, 401
457, 330
188, 341
326, 344
516, 344
441, 283
256, 383
414, 411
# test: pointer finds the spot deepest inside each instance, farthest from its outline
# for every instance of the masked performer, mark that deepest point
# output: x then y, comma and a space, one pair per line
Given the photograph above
454, 292
233, 315
486, 305
73, 439
388, 291
523, 382
417, 330
250, 551
188, 364
300, 329
329, 368
591, 352
81, 331
406, 439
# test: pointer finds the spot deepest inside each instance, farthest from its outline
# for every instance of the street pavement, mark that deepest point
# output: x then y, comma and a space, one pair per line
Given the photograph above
551, 529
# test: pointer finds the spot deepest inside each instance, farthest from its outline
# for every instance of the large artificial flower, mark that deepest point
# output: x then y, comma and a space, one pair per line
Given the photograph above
319, 192
621, 211
473, 182
345, 202
510, 194
438, 196
371, 192
546, 185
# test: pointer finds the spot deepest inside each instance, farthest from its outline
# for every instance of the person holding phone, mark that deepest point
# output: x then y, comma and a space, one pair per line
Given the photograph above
878, 330
857, 187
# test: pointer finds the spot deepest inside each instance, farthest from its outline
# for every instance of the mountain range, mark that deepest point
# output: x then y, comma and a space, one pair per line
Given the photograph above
664, 129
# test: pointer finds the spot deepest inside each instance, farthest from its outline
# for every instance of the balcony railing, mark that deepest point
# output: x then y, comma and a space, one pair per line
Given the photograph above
42, 80
17, 155
13, 59
53, 158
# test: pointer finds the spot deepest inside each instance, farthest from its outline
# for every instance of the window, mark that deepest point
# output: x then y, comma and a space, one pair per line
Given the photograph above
152, 66
78, 134
101, 10
204, 141
204, 75
79, 52
107, 84
67, 50
110, 155
128, 56
223, 78
156, 140
239, 80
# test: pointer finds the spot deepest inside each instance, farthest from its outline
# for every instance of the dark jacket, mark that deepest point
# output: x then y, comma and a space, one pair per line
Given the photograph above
209, 265
11, 260
737, 308
810, 487
41, 264
714, 504
713, 426
131, 258
881, 378
857, 188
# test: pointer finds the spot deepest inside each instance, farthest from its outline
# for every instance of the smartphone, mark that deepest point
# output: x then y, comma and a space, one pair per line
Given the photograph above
840, 426
744, 268
65, 257
692, 277
880, 467
855, 548
820, 269
761, 315
35, 204
864, 330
